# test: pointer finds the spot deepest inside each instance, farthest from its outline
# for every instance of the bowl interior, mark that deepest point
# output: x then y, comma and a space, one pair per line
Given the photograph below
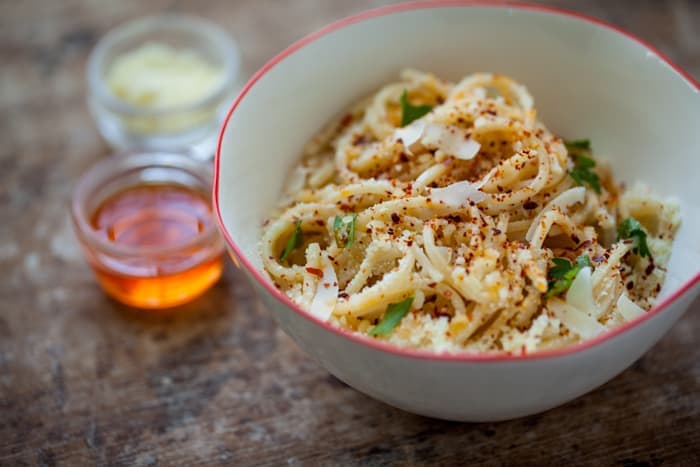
588, 81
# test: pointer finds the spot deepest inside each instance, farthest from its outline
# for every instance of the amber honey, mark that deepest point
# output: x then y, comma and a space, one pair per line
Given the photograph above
159, 224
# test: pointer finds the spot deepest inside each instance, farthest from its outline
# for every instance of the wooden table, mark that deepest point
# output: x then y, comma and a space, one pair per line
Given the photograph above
84, 380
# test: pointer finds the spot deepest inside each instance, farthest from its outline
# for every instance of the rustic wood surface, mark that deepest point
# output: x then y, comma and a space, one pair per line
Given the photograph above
85, 381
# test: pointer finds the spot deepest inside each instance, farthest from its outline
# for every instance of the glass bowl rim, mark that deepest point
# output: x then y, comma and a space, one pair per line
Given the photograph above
138, 160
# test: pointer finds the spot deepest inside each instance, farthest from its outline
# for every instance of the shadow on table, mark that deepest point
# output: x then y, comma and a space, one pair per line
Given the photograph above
632, 420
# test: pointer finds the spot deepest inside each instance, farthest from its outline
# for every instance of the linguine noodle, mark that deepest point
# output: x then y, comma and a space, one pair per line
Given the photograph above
471, 227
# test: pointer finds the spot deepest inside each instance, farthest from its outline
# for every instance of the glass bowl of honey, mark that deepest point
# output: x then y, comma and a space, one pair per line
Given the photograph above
147, 229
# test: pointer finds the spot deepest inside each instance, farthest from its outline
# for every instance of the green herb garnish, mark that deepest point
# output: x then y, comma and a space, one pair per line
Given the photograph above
410, 112
582, 173
393, 316
292, 242
580, 150
578, 145
632, 229
563, 273
344, 230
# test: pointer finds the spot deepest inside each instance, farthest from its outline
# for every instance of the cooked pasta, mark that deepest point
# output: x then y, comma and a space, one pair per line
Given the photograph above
447, 217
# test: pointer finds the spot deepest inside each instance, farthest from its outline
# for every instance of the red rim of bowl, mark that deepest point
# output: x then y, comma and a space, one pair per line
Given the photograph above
416, 353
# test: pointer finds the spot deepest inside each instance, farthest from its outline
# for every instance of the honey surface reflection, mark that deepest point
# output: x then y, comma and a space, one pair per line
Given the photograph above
153, 218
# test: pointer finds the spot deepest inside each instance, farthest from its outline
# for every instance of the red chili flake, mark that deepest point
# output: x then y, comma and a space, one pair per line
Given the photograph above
359, 139
409, 242
530, 205
649, 269
630, 285
346, 120
497, 231
320, 223
491, 112
395, 218
585, 244
314, 271
575, 238
442, 312
343, 295
403, 157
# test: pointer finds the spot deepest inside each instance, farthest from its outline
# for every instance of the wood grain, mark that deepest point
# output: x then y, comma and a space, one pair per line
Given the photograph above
85, 381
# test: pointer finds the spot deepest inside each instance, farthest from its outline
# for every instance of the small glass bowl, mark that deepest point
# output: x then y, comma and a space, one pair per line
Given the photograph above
191, 127
153, 276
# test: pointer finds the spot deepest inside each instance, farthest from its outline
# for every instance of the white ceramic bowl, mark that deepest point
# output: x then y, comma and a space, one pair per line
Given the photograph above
588, 80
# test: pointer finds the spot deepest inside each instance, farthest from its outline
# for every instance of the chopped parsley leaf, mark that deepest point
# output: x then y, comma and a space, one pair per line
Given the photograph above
292, 242
632, 229
563, 273
578, 145
580, 151
409, 112
393, 316
344, 230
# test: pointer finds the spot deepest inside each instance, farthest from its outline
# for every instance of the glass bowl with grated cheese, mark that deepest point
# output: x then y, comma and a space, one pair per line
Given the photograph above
161, 82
